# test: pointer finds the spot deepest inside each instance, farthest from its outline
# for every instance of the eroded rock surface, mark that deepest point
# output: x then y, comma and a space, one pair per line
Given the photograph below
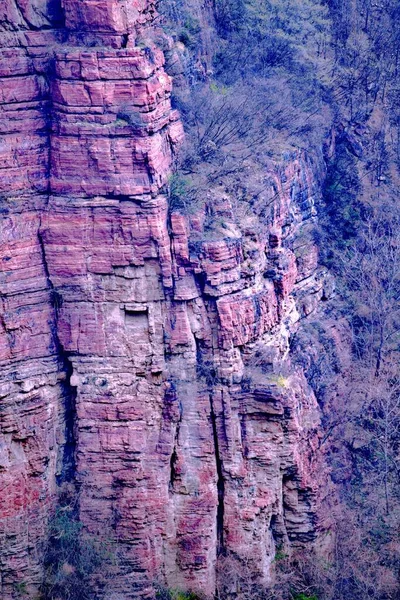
142, 358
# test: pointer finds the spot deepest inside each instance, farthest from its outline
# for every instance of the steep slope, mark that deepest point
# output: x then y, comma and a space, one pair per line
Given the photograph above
144, 359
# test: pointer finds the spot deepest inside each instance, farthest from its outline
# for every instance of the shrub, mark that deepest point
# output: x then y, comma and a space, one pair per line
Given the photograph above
168, 594
73, 557
182, 197
189, 34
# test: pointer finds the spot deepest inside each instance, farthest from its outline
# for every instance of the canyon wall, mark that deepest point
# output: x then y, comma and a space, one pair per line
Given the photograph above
144, 359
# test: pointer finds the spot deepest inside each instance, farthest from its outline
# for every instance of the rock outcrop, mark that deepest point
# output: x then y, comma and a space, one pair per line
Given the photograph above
142, 359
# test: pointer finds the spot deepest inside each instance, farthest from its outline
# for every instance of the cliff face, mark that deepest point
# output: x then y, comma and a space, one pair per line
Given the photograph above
143, 358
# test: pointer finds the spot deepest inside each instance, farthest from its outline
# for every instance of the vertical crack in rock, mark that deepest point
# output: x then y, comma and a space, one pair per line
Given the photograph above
220, 481
206, 371
68, 463
174, 454
68, 469
172, 462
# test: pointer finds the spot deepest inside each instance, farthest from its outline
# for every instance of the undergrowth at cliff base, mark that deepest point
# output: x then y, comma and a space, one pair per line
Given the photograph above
78, 565
163, 593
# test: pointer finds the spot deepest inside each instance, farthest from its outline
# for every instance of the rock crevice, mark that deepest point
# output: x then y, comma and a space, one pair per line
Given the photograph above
220, 482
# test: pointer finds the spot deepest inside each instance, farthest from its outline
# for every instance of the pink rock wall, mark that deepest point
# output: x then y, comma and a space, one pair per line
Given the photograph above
186, 444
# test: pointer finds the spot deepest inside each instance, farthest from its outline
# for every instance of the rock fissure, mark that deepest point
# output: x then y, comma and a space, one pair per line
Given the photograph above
220, 482
67, 470
68, 461
174, 460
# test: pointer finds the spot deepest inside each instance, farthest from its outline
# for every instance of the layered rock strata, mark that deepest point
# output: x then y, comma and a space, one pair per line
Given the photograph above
143, 359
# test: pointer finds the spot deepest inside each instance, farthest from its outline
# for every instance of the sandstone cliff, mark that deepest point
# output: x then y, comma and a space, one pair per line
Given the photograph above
143, 358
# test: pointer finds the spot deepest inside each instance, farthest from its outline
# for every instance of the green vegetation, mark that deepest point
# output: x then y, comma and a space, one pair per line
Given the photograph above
274, 34
258, 90
168, 594
21, 590
182, 197
76, 562
280, 555
189, 33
